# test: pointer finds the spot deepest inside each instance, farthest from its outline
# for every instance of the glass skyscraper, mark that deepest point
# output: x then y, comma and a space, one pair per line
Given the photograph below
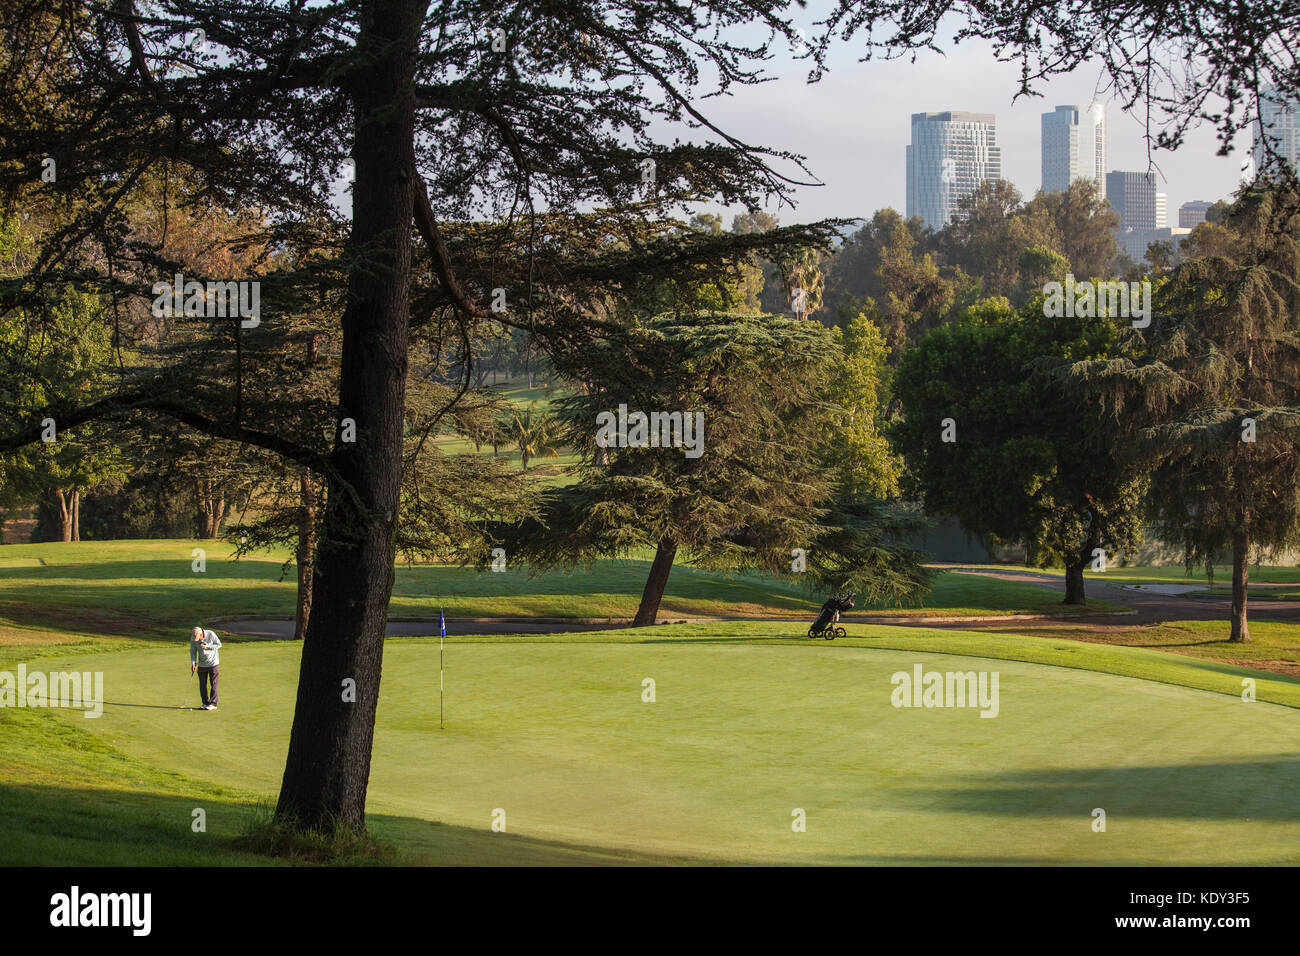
951, 154
1279, 124
1134, 197
1074, 147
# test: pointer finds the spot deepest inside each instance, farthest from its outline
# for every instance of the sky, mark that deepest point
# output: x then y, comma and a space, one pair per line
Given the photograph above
854, 126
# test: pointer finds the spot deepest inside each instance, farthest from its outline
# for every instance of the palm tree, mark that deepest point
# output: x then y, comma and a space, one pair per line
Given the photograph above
534, 432
805, 282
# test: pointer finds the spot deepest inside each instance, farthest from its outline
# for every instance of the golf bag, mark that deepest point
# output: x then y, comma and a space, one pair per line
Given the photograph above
824, 626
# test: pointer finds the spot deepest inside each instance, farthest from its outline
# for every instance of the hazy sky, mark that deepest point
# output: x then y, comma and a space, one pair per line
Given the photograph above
854, 126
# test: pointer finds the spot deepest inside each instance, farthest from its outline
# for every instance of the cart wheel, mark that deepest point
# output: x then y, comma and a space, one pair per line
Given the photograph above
840, 632
812, 632
830, 634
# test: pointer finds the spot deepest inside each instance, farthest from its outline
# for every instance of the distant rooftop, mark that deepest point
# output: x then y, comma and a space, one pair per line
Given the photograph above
957, 116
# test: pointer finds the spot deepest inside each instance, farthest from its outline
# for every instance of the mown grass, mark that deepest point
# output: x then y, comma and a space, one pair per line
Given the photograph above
518, 392
149, 589
749, 723
69, 799
1273, 645
548, 471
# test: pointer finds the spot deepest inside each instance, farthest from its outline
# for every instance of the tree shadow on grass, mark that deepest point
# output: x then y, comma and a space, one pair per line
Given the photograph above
1261, 788
120, 703
157, 579
48, 825
730, 639
179, 568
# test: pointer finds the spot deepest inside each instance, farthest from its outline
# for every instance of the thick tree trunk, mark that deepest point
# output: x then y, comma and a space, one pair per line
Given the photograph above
306, 552
327, 769
76, 516
210, 509
1074, 581
1074, 570
306, 557
54, 502
1240, 581
656, 583
65, 517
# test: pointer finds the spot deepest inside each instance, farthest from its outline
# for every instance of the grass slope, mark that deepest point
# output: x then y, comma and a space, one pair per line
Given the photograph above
139, 588
749, 723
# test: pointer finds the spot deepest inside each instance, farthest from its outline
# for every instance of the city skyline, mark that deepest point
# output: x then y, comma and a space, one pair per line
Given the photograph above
951, 152
854, 127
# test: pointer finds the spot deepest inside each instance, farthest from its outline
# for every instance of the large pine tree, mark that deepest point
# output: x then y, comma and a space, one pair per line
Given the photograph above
1214, 403
753, 388
455, 124
764, 480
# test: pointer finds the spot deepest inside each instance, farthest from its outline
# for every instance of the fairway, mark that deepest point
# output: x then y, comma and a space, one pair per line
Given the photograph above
140, 588
746, 727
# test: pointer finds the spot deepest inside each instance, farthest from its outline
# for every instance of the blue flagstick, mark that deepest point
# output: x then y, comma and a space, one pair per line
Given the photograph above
442, 637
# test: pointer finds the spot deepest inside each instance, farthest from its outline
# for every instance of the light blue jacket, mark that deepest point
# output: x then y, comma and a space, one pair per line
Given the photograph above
204, 652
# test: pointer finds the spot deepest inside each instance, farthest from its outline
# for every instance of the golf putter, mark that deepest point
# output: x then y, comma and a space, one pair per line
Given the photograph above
189, 686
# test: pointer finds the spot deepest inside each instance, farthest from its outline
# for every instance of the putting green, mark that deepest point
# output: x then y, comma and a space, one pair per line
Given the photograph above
741, 734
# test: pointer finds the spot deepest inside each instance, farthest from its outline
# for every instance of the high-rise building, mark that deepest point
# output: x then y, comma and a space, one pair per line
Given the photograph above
1134, 197
1162, 211
951, 154
1192, 214
1135, 242
1278, 124
1074, 146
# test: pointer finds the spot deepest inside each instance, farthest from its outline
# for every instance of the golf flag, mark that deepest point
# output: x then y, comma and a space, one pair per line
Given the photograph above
442, 624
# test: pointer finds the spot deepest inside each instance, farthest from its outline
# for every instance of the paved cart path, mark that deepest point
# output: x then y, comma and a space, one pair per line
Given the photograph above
1146, 607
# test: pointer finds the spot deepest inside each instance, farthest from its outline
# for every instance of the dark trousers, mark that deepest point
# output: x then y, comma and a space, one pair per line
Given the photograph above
206, 675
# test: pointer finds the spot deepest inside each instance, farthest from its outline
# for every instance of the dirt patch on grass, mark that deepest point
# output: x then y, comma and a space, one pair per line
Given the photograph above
1276, 665
79, 620
15, 635
1092, 632
1159, 637
18, 530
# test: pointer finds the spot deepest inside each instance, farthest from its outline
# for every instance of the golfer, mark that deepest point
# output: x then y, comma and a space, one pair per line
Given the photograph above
204, 660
